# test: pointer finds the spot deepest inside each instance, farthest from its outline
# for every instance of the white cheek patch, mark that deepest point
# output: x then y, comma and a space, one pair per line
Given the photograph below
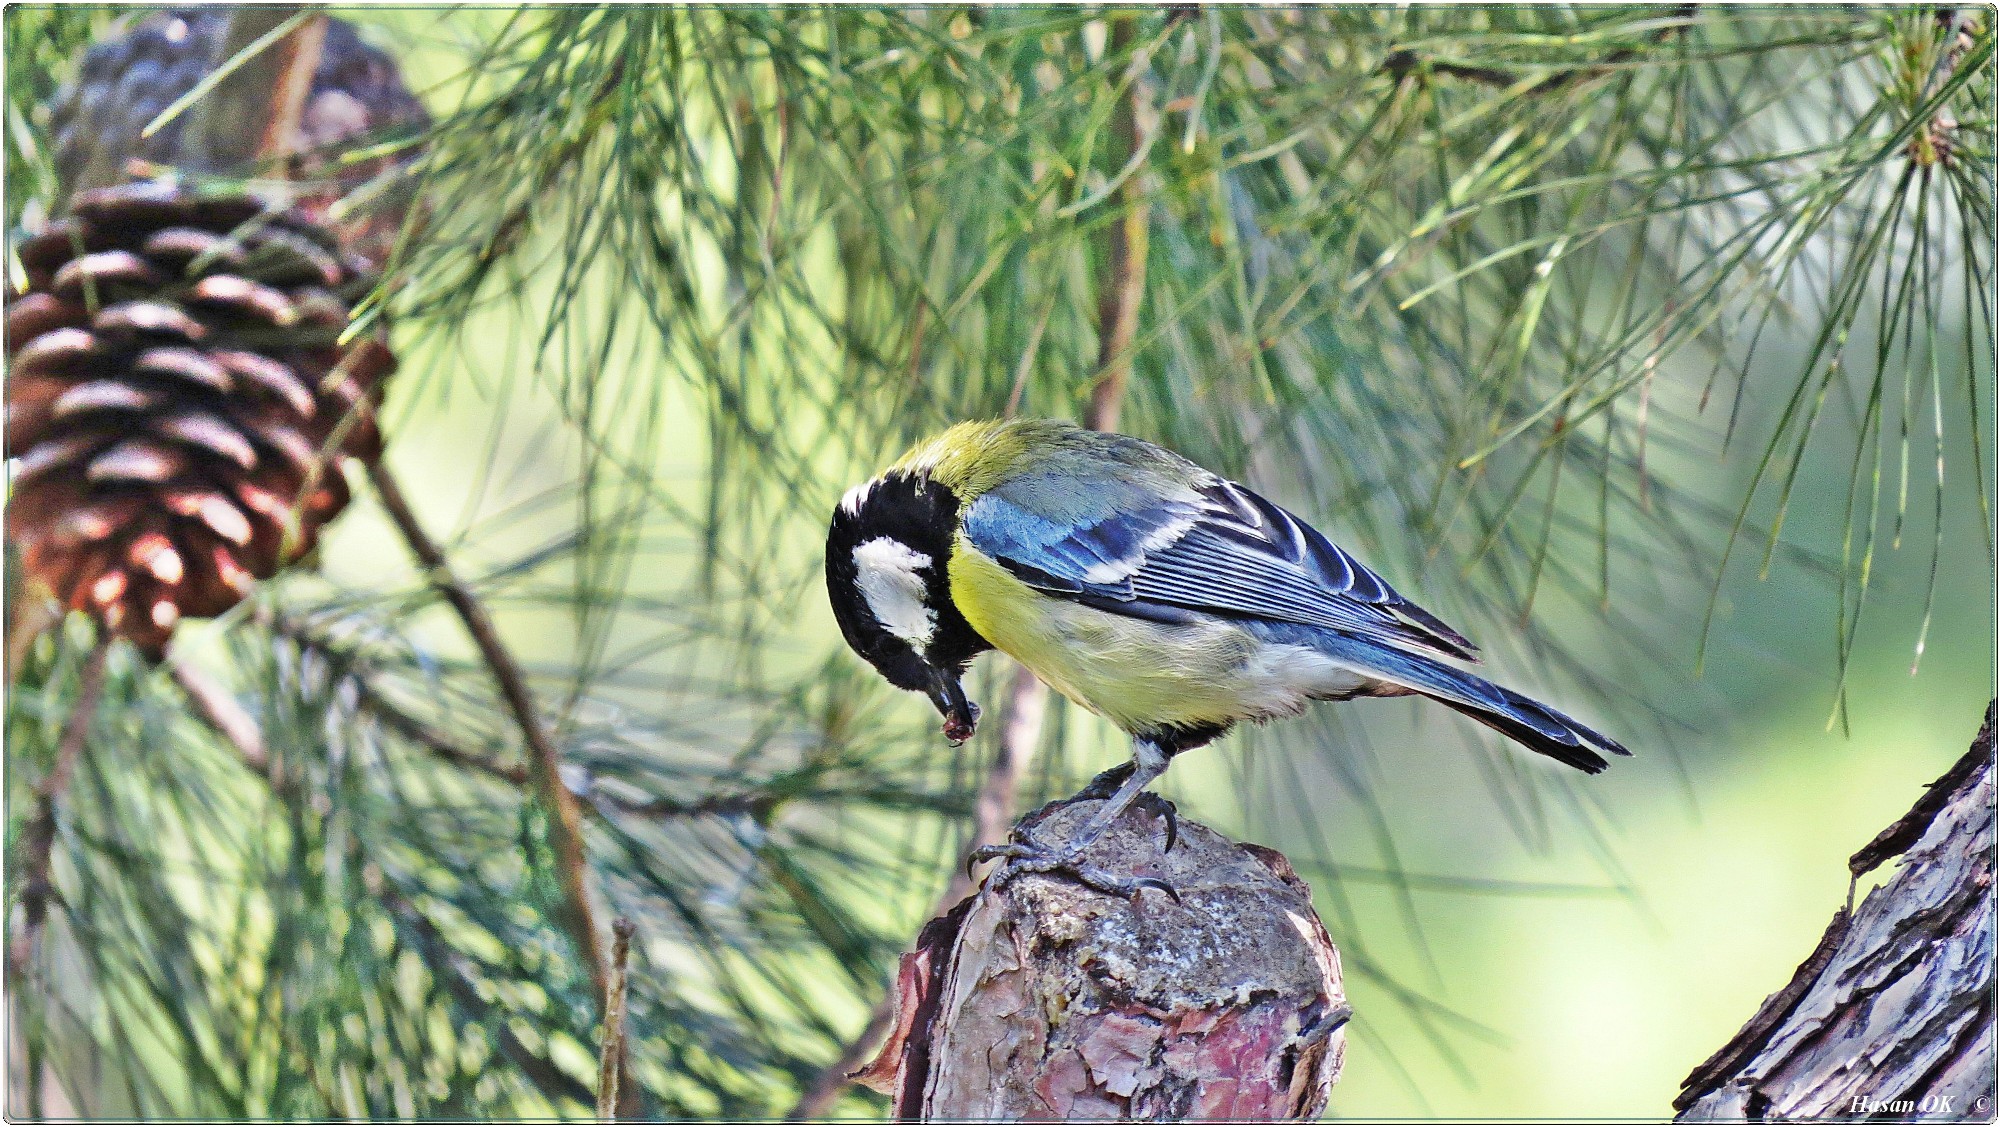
889, 574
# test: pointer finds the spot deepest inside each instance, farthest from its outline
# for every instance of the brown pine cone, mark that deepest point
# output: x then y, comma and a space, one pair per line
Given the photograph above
178, 400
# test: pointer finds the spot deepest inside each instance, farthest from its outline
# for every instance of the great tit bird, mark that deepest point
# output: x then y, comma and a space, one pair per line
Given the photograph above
1144, 588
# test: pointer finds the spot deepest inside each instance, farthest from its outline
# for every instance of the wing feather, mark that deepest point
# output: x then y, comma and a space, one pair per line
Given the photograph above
1215, 548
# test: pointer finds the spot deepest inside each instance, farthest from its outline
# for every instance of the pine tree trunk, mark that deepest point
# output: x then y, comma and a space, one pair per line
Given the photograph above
1045, 998
1892, 1015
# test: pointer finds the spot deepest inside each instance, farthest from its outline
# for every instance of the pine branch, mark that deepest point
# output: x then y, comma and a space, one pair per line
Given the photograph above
565, 828
386, 711
252, 112
511, 226
220, 713
611, 1054
39, 836
1401, 63
1123, 283
217, 708
27, 616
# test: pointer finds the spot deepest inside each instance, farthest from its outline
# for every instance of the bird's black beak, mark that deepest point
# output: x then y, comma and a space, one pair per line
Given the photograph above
961, 716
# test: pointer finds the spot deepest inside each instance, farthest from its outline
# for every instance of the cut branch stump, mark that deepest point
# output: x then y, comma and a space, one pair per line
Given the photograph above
1044, 998
1891, 1016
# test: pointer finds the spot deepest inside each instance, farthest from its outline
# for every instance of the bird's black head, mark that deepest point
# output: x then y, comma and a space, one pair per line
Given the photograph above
886, 556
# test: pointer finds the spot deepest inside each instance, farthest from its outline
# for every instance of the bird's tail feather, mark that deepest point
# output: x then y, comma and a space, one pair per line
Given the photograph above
1527, 722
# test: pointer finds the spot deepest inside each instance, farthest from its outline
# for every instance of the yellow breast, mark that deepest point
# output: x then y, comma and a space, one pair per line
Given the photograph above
1141, 675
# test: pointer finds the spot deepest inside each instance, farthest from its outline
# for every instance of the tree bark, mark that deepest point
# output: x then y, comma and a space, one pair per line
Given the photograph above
1892, 1015
1044, 998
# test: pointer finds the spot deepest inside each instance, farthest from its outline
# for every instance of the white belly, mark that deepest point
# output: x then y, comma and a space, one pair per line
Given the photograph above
1280, 680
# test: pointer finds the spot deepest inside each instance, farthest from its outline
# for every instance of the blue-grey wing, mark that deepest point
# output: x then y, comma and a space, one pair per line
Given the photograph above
1211, 548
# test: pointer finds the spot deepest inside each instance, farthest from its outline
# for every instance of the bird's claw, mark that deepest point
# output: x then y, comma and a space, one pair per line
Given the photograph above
1018, 858
1173, 820
987, 853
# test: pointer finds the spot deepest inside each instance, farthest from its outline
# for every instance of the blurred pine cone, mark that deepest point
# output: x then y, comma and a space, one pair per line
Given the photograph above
357, 97
177, 399
177, 396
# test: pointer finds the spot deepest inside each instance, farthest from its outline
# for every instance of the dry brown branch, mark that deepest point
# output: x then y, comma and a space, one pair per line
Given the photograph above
1122, 285
1892, 1013
218, 708
611, 1054
564, 819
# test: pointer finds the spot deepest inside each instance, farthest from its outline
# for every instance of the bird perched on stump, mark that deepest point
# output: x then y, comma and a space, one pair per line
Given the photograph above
1150, 591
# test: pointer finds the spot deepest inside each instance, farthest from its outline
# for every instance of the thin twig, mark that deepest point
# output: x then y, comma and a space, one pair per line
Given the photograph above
429, 738
218, 708
1400, 64
756, 804
611, 1054
27, 615
1123, 283
252, 112
565, 821
826, 1087
545, 772
38, 838
388, 712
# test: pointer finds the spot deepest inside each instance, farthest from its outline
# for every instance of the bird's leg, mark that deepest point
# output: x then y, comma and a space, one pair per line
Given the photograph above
1149, 761
1107, 783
